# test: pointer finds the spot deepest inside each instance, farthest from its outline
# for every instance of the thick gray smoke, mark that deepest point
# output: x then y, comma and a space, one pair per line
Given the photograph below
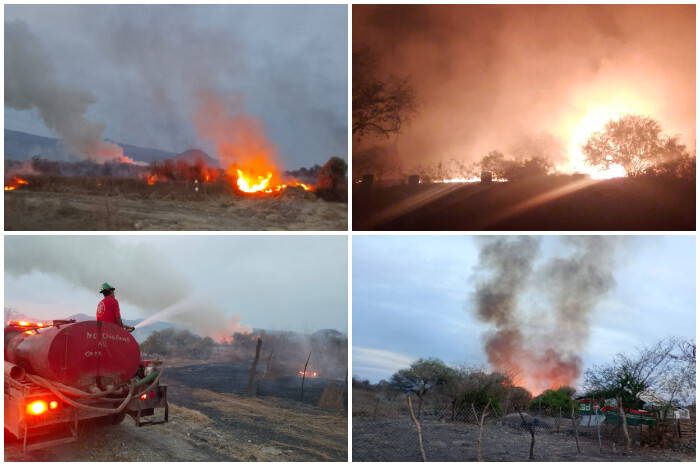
30, 83
500, 76
541, 313
142, 277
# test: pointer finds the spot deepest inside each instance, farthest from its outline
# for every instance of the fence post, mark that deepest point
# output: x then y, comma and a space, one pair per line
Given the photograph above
597, 421
573, 421
255, 365
624, 422
532, 434
415, 421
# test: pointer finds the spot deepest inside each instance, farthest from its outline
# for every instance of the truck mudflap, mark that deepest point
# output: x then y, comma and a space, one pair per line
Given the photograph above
53, 438
146, 404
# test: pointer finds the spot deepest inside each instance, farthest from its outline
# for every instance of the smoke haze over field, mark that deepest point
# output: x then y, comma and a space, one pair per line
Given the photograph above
214, 286
134, 73
500, 76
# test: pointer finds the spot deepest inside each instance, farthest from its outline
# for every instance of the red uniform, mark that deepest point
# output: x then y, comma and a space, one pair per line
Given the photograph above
108, 310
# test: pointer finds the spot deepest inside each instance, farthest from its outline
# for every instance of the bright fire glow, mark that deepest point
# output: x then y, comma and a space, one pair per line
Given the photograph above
151, 179
53, 405
258, 184
15, 183
308, 374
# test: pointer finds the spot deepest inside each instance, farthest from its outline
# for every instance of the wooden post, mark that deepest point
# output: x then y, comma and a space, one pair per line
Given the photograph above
481, 430
255, 365
415, 421
532, 434
303, 377
573, 421
624, 422
267, 368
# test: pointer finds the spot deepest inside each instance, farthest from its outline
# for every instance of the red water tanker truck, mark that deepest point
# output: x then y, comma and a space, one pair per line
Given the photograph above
59, 374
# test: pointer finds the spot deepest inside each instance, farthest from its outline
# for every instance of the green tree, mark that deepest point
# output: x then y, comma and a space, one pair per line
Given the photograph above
422, 376
553, 400
634, 142
155, 343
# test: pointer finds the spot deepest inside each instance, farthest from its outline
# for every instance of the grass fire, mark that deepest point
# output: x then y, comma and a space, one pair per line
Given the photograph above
514, 348
571, 108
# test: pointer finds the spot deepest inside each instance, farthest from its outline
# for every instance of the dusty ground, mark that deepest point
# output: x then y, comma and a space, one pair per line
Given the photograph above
27, 210
211, 425
396, 440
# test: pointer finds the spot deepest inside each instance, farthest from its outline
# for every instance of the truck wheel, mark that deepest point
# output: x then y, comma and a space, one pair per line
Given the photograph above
118, 418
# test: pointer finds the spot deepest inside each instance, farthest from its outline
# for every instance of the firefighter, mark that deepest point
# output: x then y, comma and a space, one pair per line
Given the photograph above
108, 308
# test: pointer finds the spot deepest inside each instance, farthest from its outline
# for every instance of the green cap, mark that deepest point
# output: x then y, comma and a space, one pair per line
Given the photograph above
106, 287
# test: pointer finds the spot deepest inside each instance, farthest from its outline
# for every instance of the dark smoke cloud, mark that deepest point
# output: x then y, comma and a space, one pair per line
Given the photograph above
30, 83
542, 345
490, 75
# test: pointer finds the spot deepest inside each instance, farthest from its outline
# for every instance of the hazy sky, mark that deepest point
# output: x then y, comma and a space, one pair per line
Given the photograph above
145, 65
412, 299
216, 284
495, 76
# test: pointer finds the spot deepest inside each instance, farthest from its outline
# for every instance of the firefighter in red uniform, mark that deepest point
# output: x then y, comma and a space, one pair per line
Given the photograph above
108, 308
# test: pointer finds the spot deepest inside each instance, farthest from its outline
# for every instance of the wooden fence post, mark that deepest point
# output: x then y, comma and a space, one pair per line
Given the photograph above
532, 434
303, 377
255, 365
415, 421
573, 421
624, 422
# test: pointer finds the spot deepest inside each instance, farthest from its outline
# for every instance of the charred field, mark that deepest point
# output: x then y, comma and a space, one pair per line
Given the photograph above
62, 203
212, 419
550, 204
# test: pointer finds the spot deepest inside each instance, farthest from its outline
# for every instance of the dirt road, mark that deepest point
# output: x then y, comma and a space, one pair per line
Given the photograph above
35, 210
206, 425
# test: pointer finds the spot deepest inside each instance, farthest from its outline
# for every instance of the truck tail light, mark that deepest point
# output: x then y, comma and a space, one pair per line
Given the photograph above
144, 396
53, 405
153, 394
36, 407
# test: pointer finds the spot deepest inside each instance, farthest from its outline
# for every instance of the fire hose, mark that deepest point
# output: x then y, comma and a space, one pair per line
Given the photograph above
57, 389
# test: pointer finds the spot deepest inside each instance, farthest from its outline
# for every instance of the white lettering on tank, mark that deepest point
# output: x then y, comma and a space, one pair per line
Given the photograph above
92, 335
89, 354
109, 336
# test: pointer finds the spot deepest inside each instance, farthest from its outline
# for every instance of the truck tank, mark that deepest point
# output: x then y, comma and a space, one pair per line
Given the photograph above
81, 355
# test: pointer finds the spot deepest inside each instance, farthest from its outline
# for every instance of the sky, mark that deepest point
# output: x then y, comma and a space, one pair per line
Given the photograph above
514, 77
216, 284
137, 72
413, 297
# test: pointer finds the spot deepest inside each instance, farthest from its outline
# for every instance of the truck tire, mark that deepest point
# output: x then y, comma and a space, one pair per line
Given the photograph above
118, 418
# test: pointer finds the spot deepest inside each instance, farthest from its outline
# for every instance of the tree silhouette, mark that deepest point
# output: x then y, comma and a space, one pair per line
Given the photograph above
379, 106
634, 142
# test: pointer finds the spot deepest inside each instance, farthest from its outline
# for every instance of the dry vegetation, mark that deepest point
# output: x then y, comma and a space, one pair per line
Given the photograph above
108, 203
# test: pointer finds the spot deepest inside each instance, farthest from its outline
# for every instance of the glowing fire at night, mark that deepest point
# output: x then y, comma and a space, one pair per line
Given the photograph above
308, 374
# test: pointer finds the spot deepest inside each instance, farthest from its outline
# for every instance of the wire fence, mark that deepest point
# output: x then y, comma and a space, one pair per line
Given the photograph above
448, 432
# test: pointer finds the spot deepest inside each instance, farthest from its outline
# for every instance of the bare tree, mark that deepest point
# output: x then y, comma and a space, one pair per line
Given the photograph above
379, 105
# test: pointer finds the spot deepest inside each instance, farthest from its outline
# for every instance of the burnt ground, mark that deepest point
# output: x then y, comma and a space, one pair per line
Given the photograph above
551, 203
386, 439
27, 210
210, 420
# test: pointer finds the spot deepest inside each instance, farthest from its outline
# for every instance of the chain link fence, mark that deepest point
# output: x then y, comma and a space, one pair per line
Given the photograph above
383, 430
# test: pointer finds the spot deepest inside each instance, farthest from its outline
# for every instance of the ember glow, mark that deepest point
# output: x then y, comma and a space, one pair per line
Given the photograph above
308, 373
15, 183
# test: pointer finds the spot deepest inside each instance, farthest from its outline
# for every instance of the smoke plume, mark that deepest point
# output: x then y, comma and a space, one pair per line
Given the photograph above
239, 138
141, 276
30, 83
540, 339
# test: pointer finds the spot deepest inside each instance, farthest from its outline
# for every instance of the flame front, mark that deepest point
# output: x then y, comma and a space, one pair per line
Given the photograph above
15, 183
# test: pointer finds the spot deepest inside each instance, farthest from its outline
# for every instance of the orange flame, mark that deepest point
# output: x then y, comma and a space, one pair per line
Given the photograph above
151, 179
15, 183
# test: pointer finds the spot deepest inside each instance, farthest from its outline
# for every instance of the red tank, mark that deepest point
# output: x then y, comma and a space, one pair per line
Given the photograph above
80, 355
